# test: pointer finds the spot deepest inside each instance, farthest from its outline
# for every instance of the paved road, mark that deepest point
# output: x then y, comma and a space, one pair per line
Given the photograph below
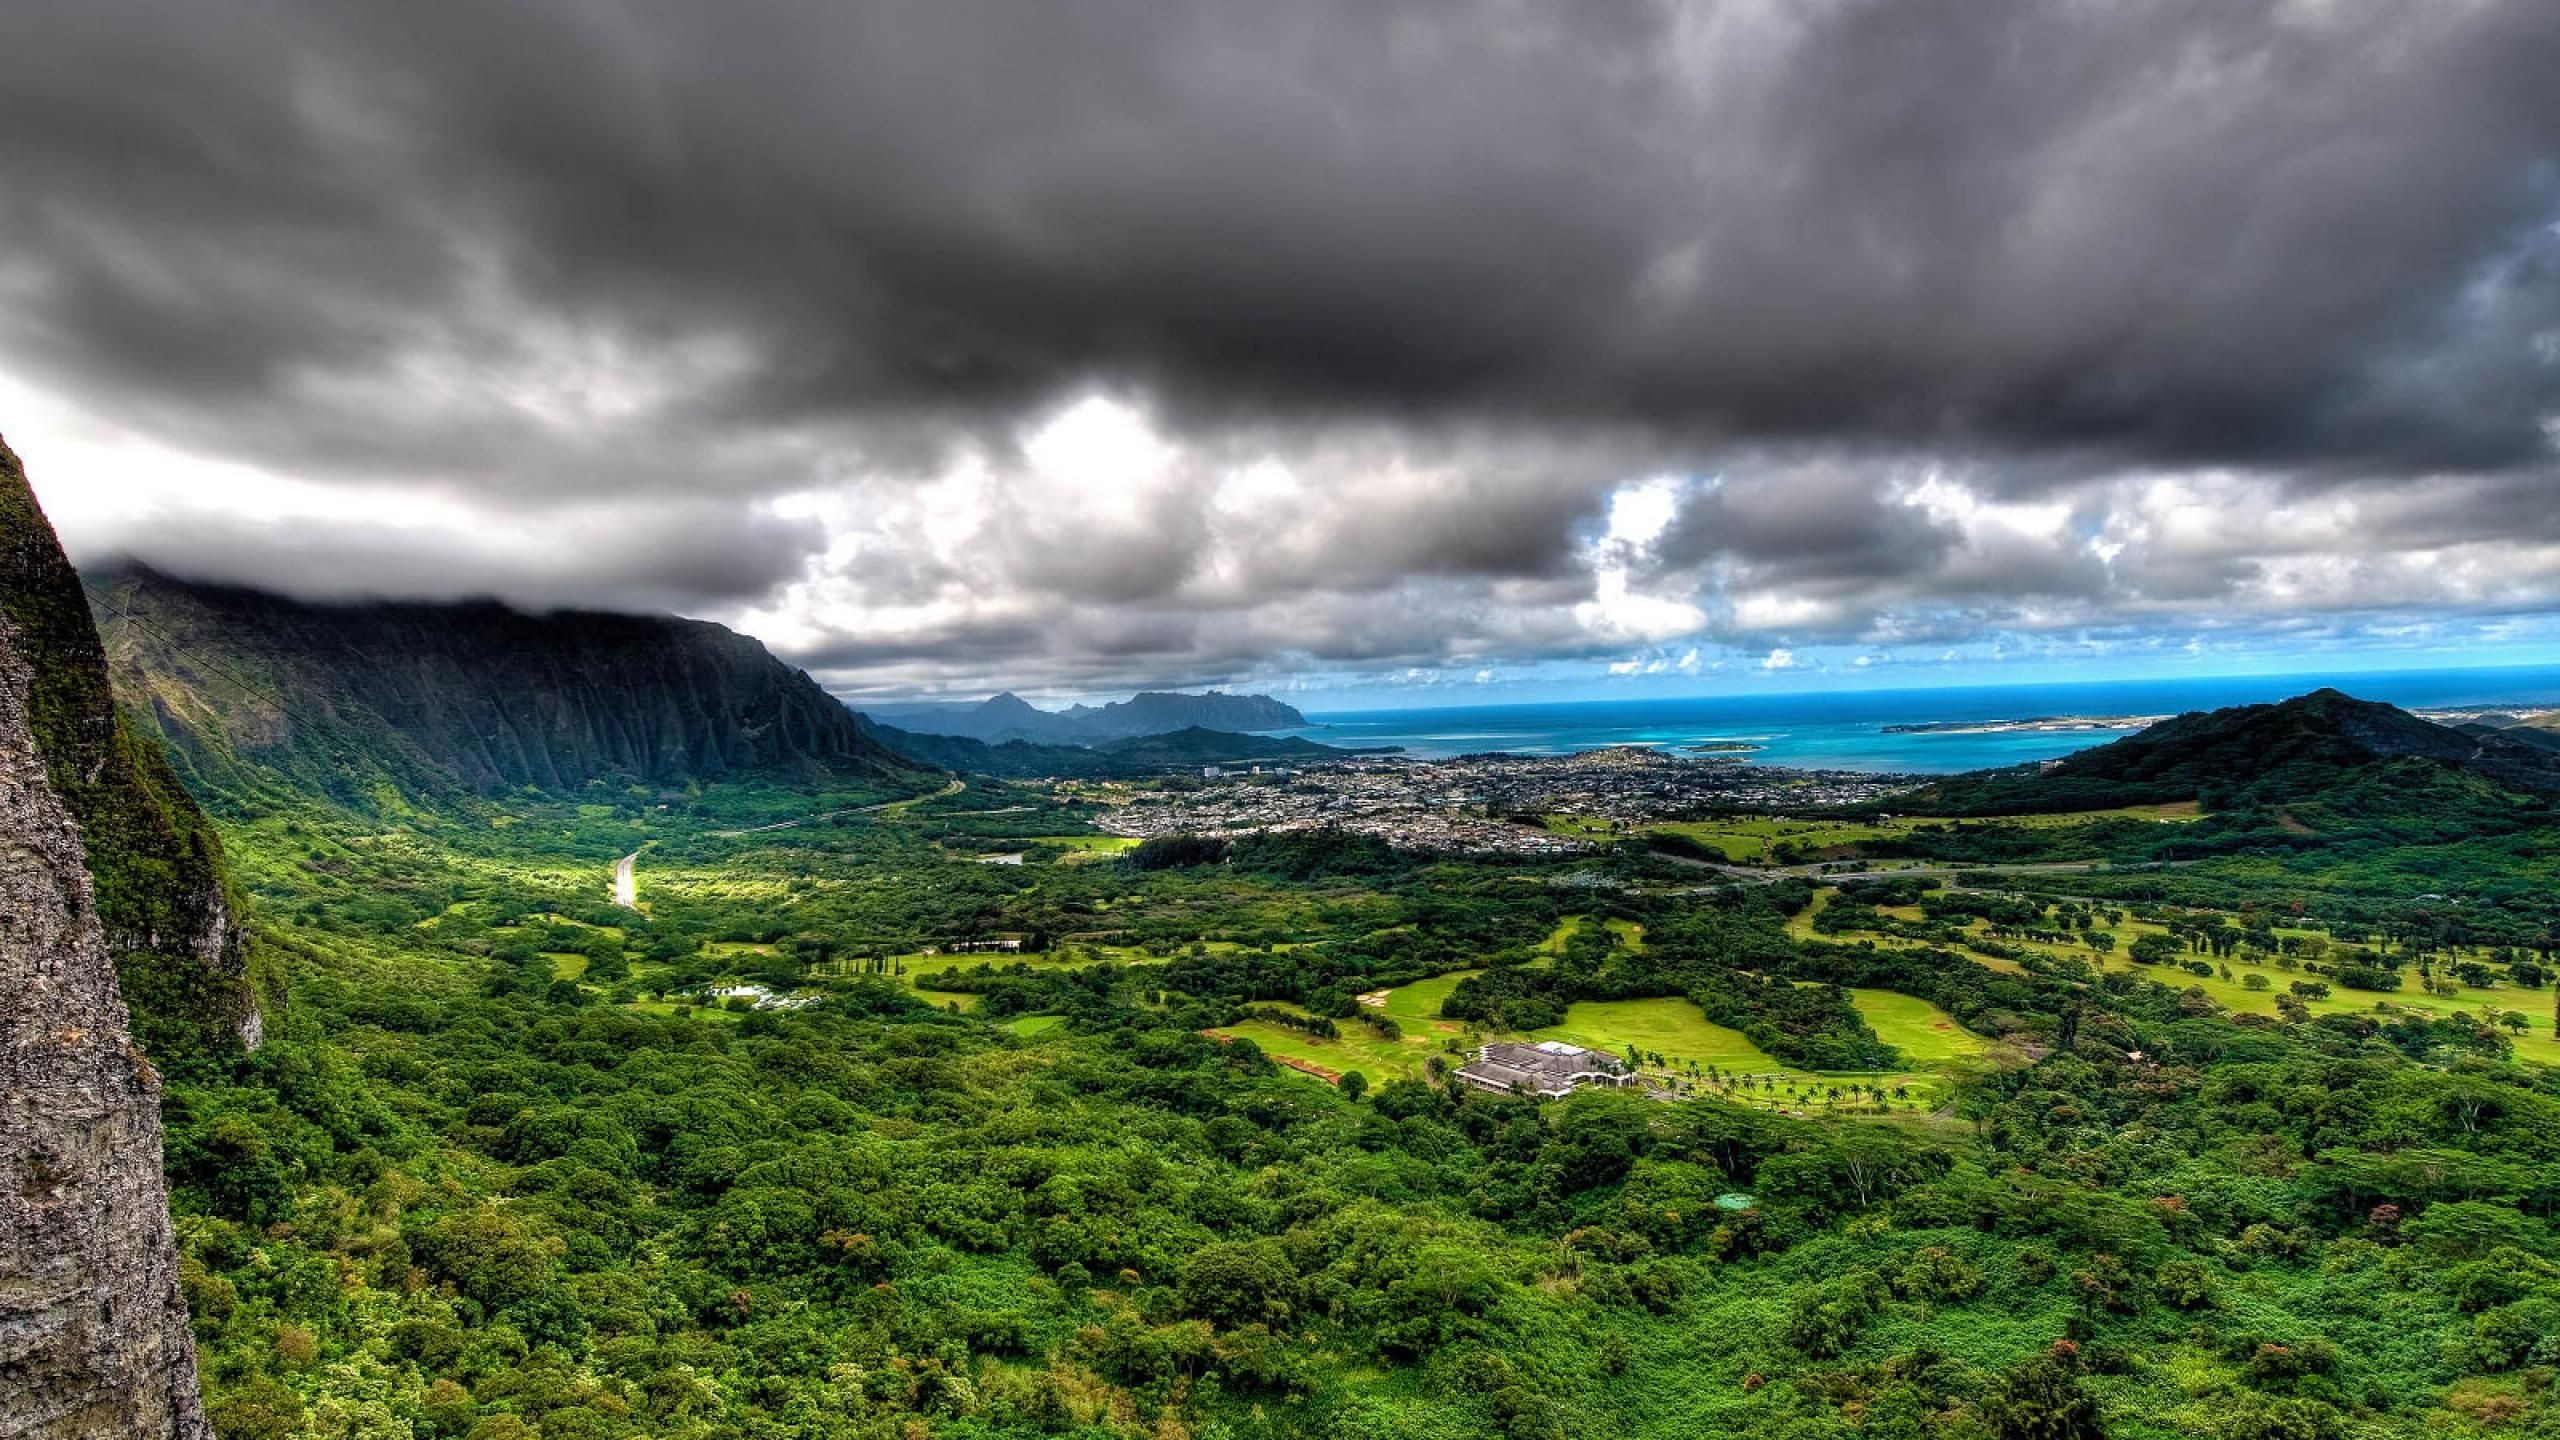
626, 884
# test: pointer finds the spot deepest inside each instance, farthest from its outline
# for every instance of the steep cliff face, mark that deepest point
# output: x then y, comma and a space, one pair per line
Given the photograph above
378, 704
93, 1334
154, 860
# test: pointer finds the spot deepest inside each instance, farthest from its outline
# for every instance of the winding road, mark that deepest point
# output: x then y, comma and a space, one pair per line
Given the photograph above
626, 883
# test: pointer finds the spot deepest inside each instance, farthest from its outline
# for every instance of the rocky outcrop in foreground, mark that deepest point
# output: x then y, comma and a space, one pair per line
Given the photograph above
155, 864
93, 1334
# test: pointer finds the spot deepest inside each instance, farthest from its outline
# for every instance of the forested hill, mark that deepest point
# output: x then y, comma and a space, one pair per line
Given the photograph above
1008, 717
2326, 746
369, 703
1158, 712
1135, 755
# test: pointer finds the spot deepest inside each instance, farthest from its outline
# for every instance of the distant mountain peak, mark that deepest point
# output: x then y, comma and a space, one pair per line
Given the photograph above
1007, 716
2290, 752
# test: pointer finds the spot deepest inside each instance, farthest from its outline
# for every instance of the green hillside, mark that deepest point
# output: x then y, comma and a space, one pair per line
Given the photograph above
846, 1133
188, 974
382, 707
2328, 756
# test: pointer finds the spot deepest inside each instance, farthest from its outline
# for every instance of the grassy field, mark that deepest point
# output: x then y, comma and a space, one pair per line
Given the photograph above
683, 1007
1667, 1026
1747, 839
1925, 1034
1418, 1005
1358, 1048
1751, 839
2537, 1043
918, 963
1087, 849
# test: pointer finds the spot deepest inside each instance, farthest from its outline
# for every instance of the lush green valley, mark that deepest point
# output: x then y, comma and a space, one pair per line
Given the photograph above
884, 1101
508, 1166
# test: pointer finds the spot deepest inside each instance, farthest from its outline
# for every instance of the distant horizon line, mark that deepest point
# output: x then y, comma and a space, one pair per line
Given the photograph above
2311, 679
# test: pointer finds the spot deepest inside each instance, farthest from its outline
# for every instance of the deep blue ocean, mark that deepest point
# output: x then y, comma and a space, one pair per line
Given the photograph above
1844, 730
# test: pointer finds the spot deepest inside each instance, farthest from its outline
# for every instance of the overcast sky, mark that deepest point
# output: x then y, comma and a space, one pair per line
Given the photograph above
1350, 345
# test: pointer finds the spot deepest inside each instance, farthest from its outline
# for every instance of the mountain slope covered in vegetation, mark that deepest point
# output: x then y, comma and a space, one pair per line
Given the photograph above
154, 859
1134, 755
383, 705
2323, 749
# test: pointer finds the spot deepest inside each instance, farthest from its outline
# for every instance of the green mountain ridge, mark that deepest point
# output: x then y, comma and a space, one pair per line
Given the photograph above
2323, 749
379, 706
1134, 755
1008, 717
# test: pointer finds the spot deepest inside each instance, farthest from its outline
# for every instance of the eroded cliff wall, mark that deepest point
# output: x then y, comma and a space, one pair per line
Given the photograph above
93, 1334
154, 860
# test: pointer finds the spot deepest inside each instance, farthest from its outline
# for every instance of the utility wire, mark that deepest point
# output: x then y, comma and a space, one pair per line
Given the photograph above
219, 671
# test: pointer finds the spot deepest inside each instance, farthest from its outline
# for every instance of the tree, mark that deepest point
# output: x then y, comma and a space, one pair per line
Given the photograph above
2154, 949
2040, 1399
1233, 1284
1353, 1085
488, 1253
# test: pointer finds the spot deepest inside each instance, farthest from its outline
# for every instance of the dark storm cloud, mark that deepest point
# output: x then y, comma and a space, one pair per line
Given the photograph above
2199, 228
683, 556
1455, 276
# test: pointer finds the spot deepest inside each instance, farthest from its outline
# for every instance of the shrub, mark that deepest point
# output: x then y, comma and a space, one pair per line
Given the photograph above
2281, 1367
1827, 1319
2186, 1284
2040, 1399
1937, 1274
2286, 1417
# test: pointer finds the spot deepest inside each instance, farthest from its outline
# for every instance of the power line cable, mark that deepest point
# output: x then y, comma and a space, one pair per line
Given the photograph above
219, 670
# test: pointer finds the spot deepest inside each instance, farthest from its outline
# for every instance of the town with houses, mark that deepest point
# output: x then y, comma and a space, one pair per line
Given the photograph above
1484, 804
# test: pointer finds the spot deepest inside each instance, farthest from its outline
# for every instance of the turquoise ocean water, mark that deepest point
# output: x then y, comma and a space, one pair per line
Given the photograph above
1845, 730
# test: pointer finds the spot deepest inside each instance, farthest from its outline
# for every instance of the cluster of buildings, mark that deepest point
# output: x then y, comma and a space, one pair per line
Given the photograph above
1545, 1067
1485, 804
758, 997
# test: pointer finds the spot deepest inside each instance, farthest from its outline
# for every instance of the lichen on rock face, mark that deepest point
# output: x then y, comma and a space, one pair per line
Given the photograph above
93, 1332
